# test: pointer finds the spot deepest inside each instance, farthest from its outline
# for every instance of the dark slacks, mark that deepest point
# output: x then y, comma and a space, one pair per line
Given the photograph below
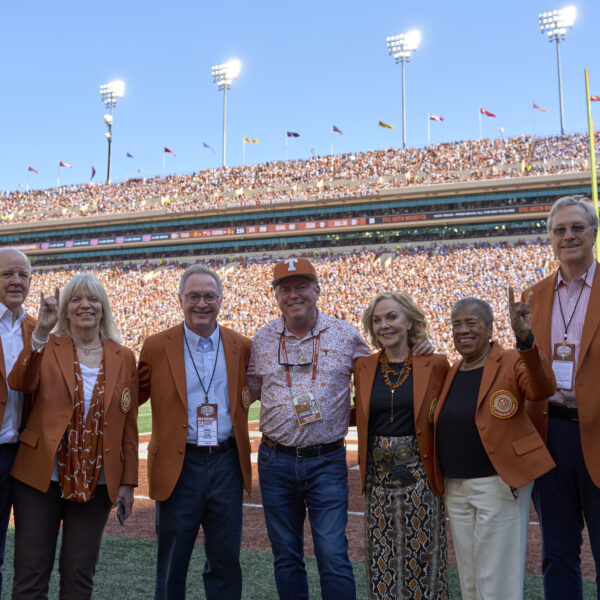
208, 493
7, 458
563, 498
37, 522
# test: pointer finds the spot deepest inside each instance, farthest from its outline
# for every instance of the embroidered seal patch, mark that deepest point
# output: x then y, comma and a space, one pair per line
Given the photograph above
246, 398
125, 401
503, 404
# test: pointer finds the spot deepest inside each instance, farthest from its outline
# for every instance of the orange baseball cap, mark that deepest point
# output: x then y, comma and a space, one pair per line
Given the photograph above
291, 266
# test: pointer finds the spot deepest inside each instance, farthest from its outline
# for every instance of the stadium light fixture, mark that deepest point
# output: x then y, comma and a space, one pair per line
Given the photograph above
554, 24
401, 47
109, 93
223, 75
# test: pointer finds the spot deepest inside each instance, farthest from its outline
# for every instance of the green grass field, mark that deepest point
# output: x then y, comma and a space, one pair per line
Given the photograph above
126, 570
145, 416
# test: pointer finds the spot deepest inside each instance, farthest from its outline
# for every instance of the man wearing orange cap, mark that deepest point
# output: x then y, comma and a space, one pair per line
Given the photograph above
300, 368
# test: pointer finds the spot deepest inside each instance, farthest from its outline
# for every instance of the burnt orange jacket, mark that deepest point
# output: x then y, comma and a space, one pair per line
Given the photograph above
162, 379
428, 379
513, 445
587, 388
27, 325
49, 375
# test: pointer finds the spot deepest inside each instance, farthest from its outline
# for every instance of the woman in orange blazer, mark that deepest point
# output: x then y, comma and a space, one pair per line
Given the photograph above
487, 451
395, 390
78, 452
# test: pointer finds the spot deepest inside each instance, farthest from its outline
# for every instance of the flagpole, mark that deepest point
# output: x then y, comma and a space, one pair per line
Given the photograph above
533, 118
27, 181
428, 130
286, 145
58, 176
243, 151
163, 163
591, 135
480, 124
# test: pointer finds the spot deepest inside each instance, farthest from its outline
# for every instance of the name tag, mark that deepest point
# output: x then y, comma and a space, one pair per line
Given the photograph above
307, 408
563, 365
207, 425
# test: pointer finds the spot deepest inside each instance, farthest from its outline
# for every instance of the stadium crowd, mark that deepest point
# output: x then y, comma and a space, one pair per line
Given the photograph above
362, 173
144, 296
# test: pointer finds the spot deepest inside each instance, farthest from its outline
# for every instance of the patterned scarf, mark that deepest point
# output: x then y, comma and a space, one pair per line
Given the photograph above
80, 450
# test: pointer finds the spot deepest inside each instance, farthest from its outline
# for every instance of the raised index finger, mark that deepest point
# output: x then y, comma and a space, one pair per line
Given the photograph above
511, 298
57, 294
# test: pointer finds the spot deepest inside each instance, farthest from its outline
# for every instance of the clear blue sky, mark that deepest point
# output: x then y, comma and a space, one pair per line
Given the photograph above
306, 66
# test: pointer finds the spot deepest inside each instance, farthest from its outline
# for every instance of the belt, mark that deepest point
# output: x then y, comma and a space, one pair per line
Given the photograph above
302, 451
228, 444
562, 412
403, 453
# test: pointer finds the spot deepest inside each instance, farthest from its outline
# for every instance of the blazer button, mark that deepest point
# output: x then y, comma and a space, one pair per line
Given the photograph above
184, 425
544, 412
482, 427
419, 432
107, 450
492, 451
180, 451
425, 455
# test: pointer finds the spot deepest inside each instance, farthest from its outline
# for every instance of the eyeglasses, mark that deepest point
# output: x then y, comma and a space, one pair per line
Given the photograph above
193, 299
576, 229
285, 364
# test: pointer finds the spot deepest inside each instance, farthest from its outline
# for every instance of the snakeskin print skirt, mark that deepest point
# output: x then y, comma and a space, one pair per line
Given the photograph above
404, 524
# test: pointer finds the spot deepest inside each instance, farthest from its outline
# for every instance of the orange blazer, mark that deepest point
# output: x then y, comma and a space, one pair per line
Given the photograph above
50, 377
162, 379
587, 389
428, 379
512, 443
27, 326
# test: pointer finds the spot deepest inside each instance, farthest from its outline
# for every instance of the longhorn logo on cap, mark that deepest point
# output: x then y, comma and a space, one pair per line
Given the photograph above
291, 262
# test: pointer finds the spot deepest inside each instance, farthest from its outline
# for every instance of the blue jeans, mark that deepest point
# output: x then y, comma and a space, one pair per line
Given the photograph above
563, 498
289, 486
208, 493
7, 458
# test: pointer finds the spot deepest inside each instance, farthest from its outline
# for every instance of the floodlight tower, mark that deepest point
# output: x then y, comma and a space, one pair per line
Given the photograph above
223, 75
400, 47
109, 93
555, 24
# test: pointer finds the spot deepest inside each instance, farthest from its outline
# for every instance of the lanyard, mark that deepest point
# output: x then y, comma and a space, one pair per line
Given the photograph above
562, 314
205, 390
315, 360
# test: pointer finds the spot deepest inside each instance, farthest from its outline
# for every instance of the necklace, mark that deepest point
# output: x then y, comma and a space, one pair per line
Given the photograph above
402, 376
86, 351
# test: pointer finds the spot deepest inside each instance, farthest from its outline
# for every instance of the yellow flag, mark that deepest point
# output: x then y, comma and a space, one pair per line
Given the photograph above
249, 141
385, 125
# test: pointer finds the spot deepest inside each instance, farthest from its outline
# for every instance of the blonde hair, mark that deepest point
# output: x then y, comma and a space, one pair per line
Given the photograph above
87, 281
418, 330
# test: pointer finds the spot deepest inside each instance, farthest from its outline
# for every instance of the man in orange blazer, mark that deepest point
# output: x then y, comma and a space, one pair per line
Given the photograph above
15, 331
566, 325
199, 453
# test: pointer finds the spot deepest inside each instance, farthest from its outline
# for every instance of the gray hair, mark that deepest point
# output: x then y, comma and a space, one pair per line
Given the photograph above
89, 282
200, 269
575, 200
486, 310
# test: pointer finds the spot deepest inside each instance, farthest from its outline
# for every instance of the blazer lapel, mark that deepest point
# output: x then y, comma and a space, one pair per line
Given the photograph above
420, 382
176, 360
63, 350
231, 348
368, 368
592, 317
112, 367
490, 368
543, 333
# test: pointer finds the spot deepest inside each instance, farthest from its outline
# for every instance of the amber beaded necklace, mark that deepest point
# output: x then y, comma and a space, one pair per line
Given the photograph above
402, 376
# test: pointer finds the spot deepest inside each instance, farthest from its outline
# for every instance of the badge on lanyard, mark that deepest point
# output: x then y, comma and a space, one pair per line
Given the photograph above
207, 425
563, 365
306, 408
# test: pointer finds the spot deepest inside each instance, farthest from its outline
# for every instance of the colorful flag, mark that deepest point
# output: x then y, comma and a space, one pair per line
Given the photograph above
594, 98
30, 168
168, 150
336, 130
293, 134
385, 125
435, 118
539, 108
249, 141
487, 113
205, 145
93, 173
130, 155
65, 164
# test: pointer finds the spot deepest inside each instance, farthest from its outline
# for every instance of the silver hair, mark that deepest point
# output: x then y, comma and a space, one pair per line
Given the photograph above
89, 282
200, 269
575, 200
486, 310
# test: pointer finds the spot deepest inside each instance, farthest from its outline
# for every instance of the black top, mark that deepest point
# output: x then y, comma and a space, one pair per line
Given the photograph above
380, 409
460, 450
